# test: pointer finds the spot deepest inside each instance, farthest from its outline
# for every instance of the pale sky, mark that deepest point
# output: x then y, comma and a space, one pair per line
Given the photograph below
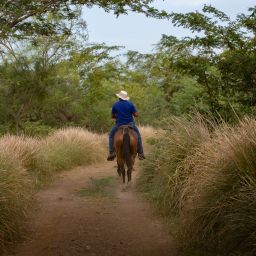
139, 33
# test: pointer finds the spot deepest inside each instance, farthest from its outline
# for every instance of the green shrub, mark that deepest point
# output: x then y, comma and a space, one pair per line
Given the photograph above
36, 129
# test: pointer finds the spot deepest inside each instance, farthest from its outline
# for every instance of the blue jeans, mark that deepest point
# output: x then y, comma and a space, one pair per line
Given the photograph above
112, 134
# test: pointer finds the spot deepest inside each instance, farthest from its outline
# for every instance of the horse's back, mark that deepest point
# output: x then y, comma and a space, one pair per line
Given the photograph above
118, 138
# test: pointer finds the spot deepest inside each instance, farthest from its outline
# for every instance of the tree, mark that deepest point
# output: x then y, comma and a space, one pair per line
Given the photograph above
18, 17
23, 87
221, 57
42, 82
176, 93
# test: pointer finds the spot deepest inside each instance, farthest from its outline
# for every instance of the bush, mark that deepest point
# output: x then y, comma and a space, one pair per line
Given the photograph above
36, 129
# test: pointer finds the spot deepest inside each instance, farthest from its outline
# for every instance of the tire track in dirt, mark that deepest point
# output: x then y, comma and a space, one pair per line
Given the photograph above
67, 223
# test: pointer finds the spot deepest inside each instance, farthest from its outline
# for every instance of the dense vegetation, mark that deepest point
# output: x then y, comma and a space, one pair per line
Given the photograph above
202, 177
200, 172
58, 79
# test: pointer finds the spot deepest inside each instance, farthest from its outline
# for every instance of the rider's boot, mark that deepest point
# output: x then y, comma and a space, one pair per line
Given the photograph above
141, 156
111, 156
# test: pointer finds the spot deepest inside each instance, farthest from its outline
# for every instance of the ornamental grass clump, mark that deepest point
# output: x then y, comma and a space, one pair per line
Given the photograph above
164, 170
219, 206
16, 188
204, 180
66, 148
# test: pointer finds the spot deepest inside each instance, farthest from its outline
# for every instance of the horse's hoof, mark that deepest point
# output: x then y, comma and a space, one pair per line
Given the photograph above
128, 185
123, 187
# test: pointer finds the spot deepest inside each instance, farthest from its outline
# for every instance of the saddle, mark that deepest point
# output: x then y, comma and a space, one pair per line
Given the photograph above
127, 126
122, 127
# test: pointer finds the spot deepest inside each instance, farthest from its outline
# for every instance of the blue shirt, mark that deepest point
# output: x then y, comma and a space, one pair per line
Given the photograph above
123, 110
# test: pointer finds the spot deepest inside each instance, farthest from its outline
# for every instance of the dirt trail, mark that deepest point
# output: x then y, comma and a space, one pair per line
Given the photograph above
86, 213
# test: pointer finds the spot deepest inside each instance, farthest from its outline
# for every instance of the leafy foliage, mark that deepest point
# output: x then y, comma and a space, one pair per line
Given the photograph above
29, 17
220, 57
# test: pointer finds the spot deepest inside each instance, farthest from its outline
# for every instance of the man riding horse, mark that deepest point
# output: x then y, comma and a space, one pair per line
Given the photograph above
123, 112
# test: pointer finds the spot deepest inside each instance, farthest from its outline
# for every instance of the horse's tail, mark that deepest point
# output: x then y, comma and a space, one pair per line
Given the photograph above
126, 147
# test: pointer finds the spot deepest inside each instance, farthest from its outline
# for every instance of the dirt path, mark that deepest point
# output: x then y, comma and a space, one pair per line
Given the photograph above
86, 213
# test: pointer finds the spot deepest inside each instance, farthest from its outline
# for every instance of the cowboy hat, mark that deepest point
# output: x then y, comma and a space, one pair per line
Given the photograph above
123, 95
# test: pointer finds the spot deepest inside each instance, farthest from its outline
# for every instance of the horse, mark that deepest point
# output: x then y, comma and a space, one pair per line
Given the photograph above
125, 143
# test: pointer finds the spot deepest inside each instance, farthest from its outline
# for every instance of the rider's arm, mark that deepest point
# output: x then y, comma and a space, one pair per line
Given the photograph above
113, 112
134, 110
135, 114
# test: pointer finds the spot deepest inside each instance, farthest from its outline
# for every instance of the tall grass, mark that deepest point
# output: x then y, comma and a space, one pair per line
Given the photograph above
164, 171
26, 163
206, 182
64, 149
16, 187
148, 132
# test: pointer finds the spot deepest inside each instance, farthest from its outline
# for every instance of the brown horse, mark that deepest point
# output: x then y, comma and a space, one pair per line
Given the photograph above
125, 143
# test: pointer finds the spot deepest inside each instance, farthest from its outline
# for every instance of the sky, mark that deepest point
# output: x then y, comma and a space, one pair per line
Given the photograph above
138, 33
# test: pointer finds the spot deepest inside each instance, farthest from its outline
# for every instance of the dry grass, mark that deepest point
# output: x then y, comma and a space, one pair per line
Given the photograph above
26, 163
164, 171
19, 147
16, 188
149, 135
148, 132
218, 199
206, 181
67, 148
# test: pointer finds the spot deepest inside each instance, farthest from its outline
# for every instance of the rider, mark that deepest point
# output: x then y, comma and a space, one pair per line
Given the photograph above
123, 112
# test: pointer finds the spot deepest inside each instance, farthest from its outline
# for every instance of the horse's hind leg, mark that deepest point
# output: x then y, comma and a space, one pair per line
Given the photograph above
123, 174
130, 168
129, 174
119, 170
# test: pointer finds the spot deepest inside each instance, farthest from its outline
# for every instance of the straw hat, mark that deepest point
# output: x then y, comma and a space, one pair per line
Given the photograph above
123, 95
